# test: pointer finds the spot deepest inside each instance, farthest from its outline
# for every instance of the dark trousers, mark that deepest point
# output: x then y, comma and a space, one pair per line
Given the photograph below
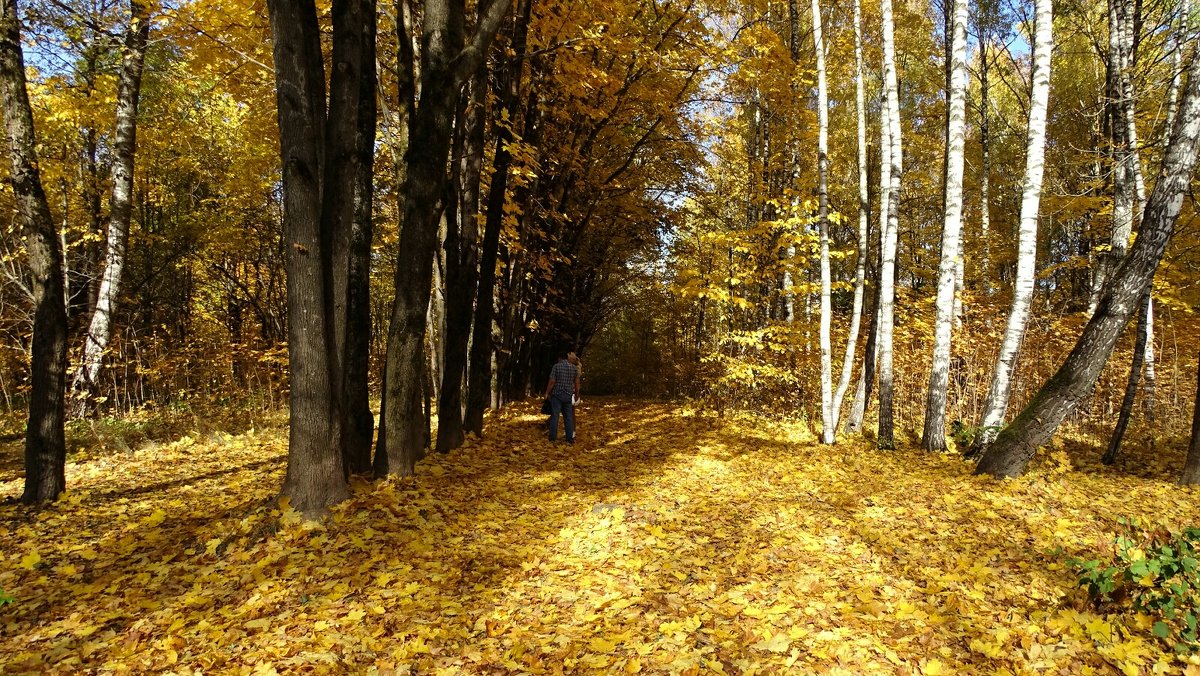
559, 404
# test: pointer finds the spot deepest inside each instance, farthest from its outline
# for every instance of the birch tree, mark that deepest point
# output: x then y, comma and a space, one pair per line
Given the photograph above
1075, 379
887, 272
1000, 389
864, 212
45, 444
933, 437
828, 424
129, 88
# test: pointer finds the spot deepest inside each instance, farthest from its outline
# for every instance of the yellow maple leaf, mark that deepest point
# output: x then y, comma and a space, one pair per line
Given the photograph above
30, 560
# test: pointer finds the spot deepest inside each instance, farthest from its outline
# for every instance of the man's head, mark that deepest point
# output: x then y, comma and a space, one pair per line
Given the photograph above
573, 358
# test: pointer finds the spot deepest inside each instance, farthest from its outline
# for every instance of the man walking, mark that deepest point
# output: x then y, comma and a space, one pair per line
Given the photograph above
561, 391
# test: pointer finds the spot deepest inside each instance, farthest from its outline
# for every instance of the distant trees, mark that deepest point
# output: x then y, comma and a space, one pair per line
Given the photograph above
1121, 297
468, 189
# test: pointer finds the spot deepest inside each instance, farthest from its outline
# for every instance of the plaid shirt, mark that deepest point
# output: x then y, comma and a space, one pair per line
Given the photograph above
564, 374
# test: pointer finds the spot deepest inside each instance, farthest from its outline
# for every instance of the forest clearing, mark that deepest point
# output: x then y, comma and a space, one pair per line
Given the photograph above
663, 541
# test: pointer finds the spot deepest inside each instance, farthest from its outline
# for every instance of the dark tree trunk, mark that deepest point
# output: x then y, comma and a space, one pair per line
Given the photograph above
318, 186
445, 63
45, 448
462, 266
1012, 450
1191, 468
479, 387
1131, 386
360, 422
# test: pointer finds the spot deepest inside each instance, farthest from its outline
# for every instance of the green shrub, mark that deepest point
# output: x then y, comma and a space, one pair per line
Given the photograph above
1153, 572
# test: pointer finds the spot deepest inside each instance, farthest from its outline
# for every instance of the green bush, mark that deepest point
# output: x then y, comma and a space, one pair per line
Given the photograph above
1153, 572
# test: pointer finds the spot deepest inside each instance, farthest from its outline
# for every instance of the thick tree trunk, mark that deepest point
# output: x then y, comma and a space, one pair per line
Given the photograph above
1074, 380
887, 276
360, 422
996, 403
1191, 467
45, 447
864, 213
462, 268
445, 63
120, 207
933, 437
1131, 386
828, 424
315, 477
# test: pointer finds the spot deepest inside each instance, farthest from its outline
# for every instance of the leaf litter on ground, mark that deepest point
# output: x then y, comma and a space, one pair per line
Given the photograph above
664, 541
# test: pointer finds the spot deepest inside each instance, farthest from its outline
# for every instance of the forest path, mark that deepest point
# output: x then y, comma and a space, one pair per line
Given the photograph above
663, 541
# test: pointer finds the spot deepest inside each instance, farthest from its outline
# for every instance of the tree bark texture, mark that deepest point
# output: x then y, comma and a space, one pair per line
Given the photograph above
933, 437
887, 275
445, 64
360, 422
319, 156
864, 213
828, 425
124, 150
1000, 389
462, 266
45, 448
1131, 386
1074, 380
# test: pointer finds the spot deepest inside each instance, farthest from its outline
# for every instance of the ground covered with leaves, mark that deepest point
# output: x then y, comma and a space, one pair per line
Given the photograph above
663, 541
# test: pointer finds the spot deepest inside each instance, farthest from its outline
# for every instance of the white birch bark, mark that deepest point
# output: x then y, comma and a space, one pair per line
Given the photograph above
828, 425
887, 272
934, 435
1001, 388
120, 206
860, 270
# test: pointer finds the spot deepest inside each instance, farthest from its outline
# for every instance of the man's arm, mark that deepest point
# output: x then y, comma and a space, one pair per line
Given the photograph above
577, 382
549, 387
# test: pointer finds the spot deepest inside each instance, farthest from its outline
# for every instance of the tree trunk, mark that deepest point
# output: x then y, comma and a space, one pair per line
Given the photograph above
933, 437
887, 275
1011, 452
45, 447
1191, 467
864, 213
120, 207
996, 403
1131, 386
445, 63
462, 268
828, 424
319, 156
479, 389
360, 422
